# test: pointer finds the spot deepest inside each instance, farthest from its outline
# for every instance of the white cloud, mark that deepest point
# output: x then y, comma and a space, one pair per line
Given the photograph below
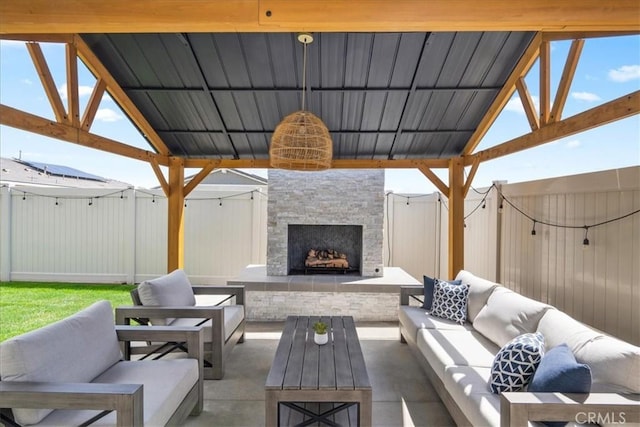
574, 143
515, 104
26, 81
585, 96
625, 73
108, 115
82, 90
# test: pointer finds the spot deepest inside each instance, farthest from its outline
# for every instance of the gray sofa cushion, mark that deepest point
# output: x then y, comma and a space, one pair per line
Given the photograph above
170, 290
596, 349
508, 315
479, 291
165, 382
75, 349
414, 318
444, 348
468, 387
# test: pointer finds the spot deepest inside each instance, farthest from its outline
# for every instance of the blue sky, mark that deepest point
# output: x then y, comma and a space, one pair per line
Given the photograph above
608, 68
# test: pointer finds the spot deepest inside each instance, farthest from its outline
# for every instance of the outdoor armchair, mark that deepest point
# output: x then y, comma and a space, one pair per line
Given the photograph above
74, 367
172, 300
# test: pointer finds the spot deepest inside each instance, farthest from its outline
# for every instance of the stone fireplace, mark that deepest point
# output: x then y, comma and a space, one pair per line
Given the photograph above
344, 239
341, 210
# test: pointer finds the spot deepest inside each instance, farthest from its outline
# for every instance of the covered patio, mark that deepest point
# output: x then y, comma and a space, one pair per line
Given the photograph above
404, 84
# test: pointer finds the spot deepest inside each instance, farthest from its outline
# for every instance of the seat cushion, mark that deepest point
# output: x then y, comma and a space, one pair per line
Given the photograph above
414, 318
170, 290
233, 316
468, 386
508, 315
165, 385
444, 348
75, 349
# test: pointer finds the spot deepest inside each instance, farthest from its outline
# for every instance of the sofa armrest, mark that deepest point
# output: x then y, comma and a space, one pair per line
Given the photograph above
124, 314
193, 336
125, 399
517, 408
407, 292
234, 290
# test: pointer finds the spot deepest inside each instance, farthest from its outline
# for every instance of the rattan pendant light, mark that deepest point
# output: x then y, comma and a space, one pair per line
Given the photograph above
301, 141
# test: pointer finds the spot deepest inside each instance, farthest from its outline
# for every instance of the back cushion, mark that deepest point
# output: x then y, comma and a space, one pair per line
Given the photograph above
171, 290
75, 349
479, 291
508, 314
614, 363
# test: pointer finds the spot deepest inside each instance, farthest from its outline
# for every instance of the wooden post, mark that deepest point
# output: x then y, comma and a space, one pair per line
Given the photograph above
456, 216
175, 247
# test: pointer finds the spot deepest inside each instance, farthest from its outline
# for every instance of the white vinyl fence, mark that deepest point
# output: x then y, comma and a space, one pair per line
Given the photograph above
121, 237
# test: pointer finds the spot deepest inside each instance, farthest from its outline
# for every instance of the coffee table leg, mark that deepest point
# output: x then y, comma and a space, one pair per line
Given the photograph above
271, 409
365, 409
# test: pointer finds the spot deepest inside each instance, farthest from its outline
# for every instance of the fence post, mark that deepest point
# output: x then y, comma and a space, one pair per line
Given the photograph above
130, 233
5, 234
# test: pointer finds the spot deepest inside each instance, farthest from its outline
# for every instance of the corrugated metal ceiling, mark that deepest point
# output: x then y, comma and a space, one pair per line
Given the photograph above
382, 95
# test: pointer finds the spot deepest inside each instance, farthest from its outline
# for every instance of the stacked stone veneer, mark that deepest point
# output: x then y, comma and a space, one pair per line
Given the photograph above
334, 197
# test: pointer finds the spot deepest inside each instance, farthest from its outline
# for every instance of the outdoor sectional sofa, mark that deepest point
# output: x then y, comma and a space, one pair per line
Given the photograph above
76, 366
458, 358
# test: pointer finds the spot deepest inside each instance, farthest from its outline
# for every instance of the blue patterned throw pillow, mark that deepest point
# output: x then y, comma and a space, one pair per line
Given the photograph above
516, 362
429, 284
450, 301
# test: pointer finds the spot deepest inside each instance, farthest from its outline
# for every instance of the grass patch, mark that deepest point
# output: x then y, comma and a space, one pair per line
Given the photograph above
25, 306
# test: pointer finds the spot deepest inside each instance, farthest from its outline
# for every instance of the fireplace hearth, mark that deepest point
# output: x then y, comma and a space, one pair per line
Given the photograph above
324, 249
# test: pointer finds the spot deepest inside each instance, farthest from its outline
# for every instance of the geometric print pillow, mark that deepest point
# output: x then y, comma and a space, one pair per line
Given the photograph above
450, 301
516, 362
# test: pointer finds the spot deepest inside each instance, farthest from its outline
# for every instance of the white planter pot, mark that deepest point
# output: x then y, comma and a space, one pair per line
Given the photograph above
320, 339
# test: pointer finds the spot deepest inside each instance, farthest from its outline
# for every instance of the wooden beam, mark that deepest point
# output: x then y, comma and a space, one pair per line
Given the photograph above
565, 81
527, 103
472, 174
456, 216
119, 96
161, 179
175, 243
553, 36
617, 109
198, 178
93, 104
524, 65
441, 186
118, 16
47, 81
545, 82
31, 123
335, 164
73, 98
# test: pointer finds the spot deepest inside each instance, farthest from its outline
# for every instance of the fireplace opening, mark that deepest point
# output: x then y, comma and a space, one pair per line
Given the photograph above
324, 249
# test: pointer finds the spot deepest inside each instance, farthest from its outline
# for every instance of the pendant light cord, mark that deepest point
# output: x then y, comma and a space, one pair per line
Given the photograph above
304, 73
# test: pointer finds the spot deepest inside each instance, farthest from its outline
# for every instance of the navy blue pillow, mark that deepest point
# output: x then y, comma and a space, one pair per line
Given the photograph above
429, 284
560, 372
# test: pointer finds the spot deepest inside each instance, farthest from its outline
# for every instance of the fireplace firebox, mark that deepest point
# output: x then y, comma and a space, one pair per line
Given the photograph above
333, 249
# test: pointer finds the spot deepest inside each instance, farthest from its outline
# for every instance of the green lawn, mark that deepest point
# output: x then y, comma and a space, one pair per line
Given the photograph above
25, 306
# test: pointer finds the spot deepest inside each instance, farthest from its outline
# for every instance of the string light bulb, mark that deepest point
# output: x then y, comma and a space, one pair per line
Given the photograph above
153, 198
585, 242
57, 202
220, 202
533, 230
407, 201
91, 201
500, 208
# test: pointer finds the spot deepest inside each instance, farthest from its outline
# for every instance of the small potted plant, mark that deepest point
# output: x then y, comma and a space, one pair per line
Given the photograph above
320, 335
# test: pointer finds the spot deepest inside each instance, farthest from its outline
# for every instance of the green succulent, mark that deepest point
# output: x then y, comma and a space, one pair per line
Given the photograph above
320, 328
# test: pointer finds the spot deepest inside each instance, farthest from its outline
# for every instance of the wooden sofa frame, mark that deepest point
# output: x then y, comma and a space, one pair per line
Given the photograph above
216, 349
517, 408
125, 399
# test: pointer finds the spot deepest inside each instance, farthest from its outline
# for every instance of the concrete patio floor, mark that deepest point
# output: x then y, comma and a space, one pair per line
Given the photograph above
402, 394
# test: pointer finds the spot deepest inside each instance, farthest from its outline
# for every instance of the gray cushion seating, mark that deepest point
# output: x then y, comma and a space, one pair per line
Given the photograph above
458, 357
82, 351
171, 299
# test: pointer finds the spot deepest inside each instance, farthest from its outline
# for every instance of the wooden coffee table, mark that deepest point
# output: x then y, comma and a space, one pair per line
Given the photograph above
326, 384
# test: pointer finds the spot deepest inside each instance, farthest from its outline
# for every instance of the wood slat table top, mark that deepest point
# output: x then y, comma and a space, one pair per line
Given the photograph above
301, 364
